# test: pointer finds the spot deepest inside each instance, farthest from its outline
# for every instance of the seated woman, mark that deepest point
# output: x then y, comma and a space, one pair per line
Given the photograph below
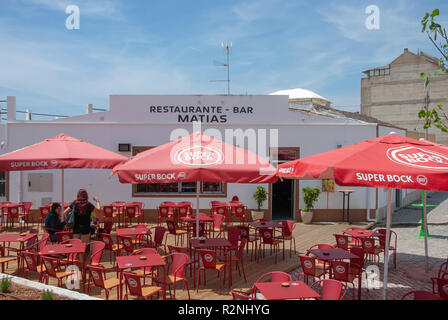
54, 222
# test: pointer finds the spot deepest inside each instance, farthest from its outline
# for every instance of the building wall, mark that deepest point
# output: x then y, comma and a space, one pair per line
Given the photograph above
397, 98
312, 134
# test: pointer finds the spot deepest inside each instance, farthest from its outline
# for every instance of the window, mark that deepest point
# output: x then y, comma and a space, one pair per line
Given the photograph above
40, 182
379, 72
176, 188
3, 185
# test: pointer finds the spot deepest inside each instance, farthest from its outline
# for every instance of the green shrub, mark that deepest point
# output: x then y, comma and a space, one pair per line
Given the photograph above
47, 295
5, 285
310, 196
260, 196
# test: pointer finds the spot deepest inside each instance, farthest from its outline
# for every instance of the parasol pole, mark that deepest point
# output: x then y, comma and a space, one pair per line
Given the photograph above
198, 186
425, 227
386, 244
62, 188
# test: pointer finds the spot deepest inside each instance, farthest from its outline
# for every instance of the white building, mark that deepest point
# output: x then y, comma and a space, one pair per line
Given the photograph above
143, 121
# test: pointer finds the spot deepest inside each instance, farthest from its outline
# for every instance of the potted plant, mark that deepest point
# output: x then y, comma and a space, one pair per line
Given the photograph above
260, 196
310, 196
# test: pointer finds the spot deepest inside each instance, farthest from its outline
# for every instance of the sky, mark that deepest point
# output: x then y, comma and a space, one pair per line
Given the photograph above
168, 47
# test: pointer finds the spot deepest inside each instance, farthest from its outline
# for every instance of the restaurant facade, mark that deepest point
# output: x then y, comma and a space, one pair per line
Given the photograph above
273, 126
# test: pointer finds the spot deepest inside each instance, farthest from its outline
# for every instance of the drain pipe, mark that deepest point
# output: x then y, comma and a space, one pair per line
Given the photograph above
368, 217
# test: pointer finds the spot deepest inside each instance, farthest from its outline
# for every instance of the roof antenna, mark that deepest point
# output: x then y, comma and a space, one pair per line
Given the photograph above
227, 49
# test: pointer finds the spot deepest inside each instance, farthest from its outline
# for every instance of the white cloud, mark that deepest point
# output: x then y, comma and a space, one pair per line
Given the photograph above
102, 8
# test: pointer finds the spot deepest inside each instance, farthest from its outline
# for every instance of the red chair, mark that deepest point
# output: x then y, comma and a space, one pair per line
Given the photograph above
238, 258
443, 270
5, 259
240, 295
357, 264
175, 232
164, 213
140, 205
393, 242
52, 271
235, 199
274, 276
176, 274
341, 272
96, 252
330, 289
40, 245
222, 210
109, 214
214, 204
114, 248
185, 250
218, 220
135, 287
202, 230
209, 262
64, 236
310, 268
26, 212
372, 252
343, 241
251, 239
128, 244
156, 241
421, 295
44, 211
267, 236
131, 213
287, 230
97, 278
442, 287
32, 264
240, 213
233, 235
13, 213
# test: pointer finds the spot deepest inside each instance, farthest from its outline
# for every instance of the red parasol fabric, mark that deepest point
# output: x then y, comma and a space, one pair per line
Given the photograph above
60, 152
196, 157
391, 161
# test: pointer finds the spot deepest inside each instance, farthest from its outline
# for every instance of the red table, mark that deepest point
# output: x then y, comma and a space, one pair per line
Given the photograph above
124, 232
267, 224
359, 234
21, 239
202, 218
296, 290
332, 254
135, 261
211, 243
76, 248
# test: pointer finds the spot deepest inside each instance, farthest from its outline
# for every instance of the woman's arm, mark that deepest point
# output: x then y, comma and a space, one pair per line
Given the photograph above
97, 204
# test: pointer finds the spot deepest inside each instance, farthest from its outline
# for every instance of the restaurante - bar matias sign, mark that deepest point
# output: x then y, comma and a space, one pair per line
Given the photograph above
204, 114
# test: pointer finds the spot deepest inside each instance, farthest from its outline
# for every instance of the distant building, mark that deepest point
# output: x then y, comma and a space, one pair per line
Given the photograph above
395, 93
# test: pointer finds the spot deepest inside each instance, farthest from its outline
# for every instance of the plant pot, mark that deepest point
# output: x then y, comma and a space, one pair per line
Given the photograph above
307, 216
257, 215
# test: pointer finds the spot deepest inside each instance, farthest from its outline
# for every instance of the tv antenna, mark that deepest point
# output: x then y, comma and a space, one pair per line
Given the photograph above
227, 49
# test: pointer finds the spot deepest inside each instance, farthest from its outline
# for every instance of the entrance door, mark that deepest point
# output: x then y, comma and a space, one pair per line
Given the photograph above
283, 192
283, 200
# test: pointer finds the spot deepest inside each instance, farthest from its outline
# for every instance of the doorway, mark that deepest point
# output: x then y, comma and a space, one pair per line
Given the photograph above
283, 193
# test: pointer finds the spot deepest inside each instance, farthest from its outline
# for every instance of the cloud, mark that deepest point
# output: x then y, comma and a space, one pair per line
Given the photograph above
98, 8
